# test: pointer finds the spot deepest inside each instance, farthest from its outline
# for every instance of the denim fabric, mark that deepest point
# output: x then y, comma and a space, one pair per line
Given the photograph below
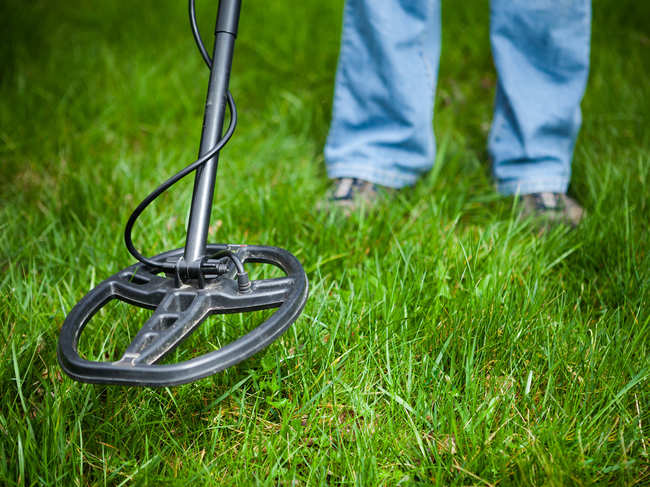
382, 112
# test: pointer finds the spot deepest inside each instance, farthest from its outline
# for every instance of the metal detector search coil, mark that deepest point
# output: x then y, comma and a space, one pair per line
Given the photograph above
187, 285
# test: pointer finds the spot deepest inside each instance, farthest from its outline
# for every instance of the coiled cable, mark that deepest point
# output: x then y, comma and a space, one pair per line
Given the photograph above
128, 229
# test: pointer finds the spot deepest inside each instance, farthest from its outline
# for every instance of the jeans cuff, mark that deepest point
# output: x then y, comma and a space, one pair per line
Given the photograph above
553, 185
382, 177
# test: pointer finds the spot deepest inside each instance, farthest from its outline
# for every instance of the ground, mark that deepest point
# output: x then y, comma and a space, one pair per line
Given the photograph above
444, 341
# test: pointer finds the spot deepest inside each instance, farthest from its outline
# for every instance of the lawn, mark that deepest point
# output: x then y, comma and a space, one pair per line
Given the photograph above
444, 340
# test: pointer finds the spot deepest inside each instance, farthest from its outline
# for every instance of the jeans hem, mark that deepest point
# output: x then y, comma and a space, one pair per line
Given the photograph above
382, 177
556, 185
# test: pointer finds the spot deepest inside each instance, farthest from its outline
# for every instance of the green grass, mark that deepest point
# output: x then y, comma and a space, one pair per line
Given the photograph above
443, 341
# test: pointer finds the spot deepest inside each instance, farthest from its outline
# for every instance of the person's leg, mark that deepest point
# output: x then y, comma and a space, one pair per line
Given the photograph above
541, 53
381, 128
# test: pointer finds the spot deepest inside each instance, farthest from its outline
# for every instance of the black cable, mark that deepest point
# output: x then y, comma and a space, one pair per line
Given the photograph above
197, 34
166, 266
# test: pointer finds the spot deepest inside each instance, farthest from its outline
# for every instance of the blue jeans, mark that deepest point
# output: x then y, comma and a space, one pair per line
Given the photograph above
382, 114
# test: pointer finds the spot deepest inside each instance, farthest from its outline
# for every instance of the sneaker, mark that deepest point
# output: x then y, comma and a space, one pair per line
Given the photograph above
347, 195
553, 207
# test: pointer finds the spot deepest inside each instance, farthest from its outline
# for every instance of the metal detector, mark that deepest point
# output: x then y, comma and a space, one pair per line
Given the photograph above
187, 285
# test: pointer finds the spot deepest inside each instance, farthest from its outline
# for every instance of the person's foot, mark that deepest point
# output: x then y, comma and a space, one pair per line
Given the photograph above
347, 195
553, 208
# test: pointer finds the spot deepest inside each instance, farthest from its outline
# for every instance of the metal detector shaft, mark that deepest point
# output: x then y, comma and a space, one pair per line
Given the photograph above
215, 108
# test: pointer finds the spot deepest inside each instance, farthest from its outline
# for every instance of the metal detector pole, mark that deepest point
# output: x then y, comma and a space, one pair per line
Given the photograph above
215, 108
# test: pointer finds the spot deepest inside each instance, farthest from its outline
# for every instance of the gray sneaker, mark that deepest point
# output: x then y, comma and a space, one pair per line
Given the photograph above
553, 208
347, 195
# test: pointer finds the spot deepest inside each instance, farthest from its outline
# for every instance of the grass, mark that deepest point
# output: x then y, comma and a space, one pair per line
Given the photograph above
443, 341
